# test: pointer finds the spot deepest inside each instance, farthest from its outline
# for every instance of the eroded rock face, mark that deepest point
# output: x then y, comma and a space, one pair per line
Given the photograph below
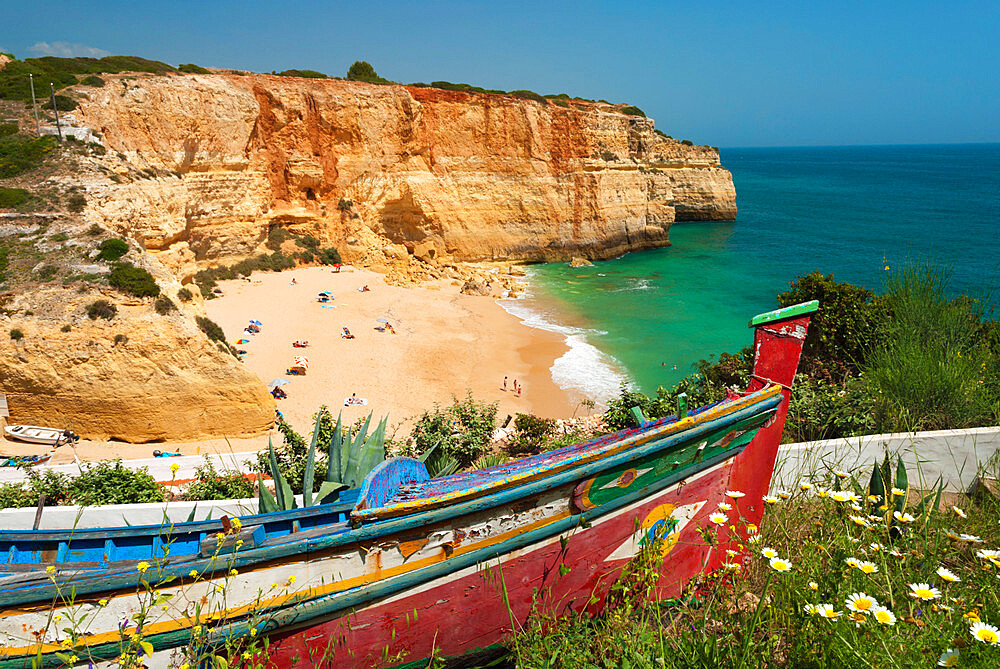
138, 377
443, 174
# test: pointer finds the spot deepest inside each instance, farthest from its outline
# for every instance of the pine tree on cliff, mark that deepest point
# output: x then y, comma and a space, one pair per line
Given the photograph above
362, 70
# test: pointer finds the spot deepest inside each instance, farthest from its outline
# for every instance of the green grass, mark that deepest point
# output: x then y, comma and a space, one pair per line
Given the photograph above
21, 153
62, 72
12, 198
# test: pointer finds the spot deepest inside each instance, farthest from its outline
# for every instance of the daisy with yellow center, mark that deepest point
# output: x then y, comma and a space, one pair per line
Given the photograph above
971, 538
718, 518
840, 474
783, 494
952, 536
859, 520
947, 575
769, 553
897, 492
878, 548
725, 507
949, 658
770, 500
822, 492
779, 565
753, 538
735, 494
805, 485
859, 602
730, 552
874, 498
867, 567
731, 566
814, 586
857, 507
826, 611
839, 496
883, 615
852, 562
923, 591
988, 634
902, 517
958, 512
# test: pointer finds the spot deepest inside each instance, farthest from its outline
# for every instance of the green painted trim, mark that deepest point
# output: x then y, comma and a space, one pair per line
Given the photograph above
785, 312
494, 649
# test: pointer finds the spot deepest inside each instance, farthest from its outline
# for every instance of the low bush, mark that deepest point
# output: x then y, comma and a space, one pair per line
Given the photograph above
92, 80
66, 328
361, 70
46, 272
211, 484
344, 204
330, 256
528, 95
463, 429
111, 249
687, 142
110, 482
308, 242
276, 237
307, 74
191, 68
101, 309
164, 305
76, 202
16, 335
59, 237
185, 295
632, 110
95, 230
11, 198
133, 280
212, 329
530, 433
120, 339
63, 103
20, 153
7, 129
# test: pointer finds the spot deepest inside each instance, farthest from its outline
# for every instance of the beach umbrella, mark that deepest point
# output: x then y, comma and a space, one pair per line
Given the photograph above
325, 293
382, 320
256, 322
337, 264
278, 382
242, 341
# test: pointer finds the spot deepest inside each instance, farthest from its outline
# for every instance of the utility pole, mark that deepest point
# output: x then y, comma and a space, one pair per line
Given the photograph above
52, 88
34, 104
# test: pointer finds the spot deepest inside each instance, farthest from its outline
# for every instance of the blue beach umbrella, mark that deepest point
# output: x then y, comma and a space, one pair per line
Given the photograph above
278, 382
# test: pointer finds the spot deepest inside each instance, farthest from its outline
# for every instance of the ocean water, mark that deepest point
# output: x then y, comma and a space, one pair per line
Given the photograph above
843, 210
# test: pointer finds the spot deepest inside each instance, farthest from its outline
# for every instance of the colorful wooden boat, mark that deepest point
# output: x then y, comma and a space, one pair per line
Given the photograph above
407, 567
34, 434
23, 460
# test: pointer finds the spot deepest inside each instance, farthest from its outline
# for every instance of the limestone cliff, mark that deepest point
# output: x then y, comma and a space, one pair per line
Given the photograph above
447, 175
138, 377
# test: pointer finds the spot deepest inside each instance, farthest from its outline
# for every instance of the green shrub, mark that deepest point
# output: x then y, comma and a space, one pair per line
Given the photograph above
95, 230
11, 198
112, 249
308, 242
211, 484
212, 329
76, 202
305, 256
66, 328
529, 95
276, 237
687, 142
64, 72
92, 80
344, 204
191, 68
63, 103
133, 280
307, 74
59, 237
184, 295
821, 409
662, 134
46, 272
463, 429
608, 156
164, 305
7, 129
20, 153
330, 256
933, 365
632, 110
561, 103
361, 70
16, 334
101, 309
120, 339
110, 482
531, 433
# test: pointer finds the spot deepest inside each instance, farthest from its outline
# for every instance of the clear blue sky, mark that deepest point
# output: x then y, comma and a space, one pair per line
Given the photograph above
722, 73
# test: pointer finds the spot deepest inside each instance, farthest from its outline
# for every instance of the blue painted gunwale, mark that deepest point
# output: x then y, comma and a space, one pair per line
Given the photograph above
127, 578
335, 604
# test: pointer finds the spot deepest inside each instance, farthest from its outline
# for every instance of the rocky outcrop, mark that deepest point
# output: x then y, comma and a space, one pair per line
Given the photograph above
138, 377
437, 174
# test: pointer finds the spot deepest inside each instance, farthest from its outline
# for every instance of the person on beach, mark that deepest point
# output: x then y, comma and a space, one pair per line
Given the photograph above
505, 384
519, 391
294, 281
515, 385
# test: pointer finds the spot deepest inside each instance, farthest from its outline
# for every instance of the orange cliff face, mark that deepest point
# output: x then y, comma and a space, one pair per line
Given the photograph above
447, 175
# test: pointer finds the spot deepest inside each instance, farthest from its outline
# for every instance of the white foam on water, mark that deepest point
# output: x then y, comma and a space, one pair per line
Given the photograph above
583, 368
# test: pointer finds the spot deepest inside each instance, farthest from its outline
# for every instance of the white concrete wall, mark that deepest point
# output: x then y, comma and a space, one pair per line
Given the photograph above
954, 455
118, 515
158, 467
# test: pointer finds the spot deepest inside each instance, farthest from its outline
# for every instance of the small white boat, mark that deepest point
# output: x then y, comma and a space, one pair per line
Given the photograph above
37, 435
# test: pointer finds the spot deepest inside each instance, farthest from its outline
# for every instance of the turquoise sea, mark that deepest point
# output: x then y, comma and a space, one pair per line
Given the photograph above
845, 210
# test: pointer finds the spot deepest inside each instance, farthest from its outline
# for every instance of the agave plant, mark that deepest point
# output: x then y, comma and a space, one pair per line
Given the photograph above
349, 459
893, 494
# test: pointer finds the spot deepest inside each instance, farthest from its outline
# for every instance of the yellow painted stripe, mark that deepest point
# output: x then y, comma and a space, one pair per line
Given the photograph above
281, 600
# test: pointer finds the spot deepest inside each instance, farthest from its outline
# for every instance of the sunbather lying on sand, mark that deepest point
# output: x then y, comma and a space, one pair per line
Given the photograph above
346, 334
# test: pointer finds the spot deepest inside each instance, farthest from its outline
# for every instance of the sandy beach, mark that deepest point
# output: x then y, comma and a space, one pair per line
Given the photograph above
445, 343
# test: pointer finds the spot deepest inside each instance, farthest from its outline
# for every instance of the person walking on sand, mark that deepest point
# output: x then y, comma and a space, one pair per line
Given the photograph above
515, 385
505, 384
519, 391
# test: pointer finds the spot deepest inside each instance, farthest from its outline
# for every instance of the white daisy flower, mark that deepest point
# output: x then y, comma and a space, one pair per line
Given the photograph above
971, 538
859, 602
805, 485
883, 615
784, 494
867, 567
725, 507
947, 575
780, 565
988, 634
923, 591
718, 518
958, 512
897, 492
770, 500
840, 496
735, 494
769, 553
949, 658
903, 517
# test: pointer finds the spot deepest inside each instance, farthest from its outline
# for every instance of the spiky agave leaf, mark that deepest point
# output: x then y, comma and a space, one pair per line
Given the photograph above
902, 482
266, 502
334, 466
372, 451
929, 504
328, 491
876, 486
282, 491
310, 472
352, 476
